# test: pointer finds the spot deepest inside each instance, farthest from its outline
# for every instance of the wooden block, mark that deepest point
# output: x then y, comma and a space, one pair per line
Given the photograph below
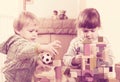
57, 63
101, 47
113, 80
58, 73
92, 63
99, 54
78, 71
83, 63
86, 41
106, 69
100, 39
67, 72
46, 74
87, 50
87, 67
102, 80
117, 71
99, 76
103, 69
88, 61
73, 74
70, 80
44, 80
110, 69
100, 70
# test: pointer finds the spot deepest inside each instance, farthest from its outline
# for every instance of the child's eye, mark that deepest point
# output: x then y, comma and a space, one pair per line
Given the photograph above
85, 31
31, 30
92, 30
36, 30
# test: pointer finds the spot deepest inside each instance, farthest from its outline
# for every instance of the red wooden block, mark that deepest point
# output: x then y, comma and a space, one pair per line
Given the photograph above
87, 49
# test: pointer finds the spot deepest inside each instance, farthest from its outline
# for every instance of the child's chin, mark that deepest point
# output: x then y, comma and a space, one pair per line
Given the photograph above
33, 40
89, 39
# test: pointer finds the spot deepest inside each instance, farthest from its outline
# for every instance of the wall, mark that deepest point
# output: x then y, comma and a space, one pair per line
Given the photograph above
110, 17
8, 10
44, 8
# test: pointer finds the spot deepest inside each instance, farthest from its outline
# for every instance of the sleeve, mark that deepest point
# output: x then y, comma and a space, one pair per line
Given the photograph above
20, 49
1, 48
69, 55
108, 55
26, 50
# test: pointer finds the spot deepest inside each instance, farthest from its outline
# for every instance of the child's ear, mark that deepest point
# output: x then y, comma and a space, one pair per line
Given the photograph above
17, 31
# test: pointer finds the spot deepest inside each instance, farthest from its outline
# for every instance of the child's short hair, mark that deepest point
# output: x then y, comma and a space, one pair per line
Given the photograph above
24, 19
89, 18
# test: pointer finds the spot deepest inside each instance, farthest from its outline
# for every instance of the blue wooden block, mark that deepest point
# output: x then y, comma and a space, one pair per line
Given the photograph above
100, 39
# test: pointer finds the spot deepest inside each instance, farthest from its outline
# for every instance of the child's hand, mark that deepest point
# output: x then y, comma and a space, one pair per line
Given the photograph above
78, 59
52, 47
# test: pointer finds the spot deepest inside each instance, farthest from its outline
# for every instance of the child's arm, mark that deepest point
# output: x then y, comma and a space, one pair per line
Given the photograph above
21, 49
108, 57
107, 53
69, 55
29, 49
1, 48
51, 47
71, 58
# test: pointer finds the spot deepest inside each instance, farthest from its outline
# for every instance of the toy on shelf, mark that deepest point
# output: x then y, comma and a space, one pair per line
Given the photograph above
62, 15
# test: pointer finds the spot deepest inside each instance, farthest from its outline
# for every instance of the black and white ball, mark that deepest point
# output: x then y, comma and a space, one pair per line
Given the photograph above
47, 58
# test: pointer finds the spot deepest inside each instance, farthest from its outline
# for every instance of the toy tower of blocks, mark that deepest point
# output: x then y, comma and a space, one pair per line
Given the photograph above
88, 58
93, 62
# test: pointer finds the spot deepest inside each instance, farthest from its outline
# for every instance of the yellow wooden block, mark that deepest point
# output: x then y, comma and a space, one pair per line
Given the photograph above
92, 63
57, 63
100, 70
100, 39
73, 74
113, 80
48, 74
86, 41
106, 69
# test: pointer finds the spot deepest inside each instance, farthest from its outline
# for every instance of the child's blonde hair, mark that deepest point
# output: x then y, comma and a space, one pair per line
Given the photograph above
25, 18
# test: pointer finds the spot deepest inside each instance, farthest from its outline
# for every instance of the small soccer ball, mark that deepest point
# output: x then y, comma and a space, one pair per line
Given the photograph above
47, 58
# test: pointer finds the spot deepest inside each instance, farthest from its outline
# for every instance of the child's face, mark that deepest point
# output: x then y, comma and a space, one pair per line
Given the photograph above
29, 32
90, 34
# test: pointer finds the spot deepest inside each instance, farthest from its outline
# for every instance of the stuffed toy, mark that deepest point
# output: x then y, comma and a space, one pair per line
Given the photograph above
62, 15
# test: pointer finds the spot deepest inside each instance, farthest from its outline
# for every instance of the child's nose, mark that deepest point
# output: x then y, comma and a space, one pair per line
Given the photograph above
35, 34
89, 33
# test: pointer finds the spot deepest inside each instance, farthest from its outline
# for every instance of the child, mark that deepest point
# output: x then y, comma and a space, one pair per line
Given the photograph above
22, 49
88, 25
